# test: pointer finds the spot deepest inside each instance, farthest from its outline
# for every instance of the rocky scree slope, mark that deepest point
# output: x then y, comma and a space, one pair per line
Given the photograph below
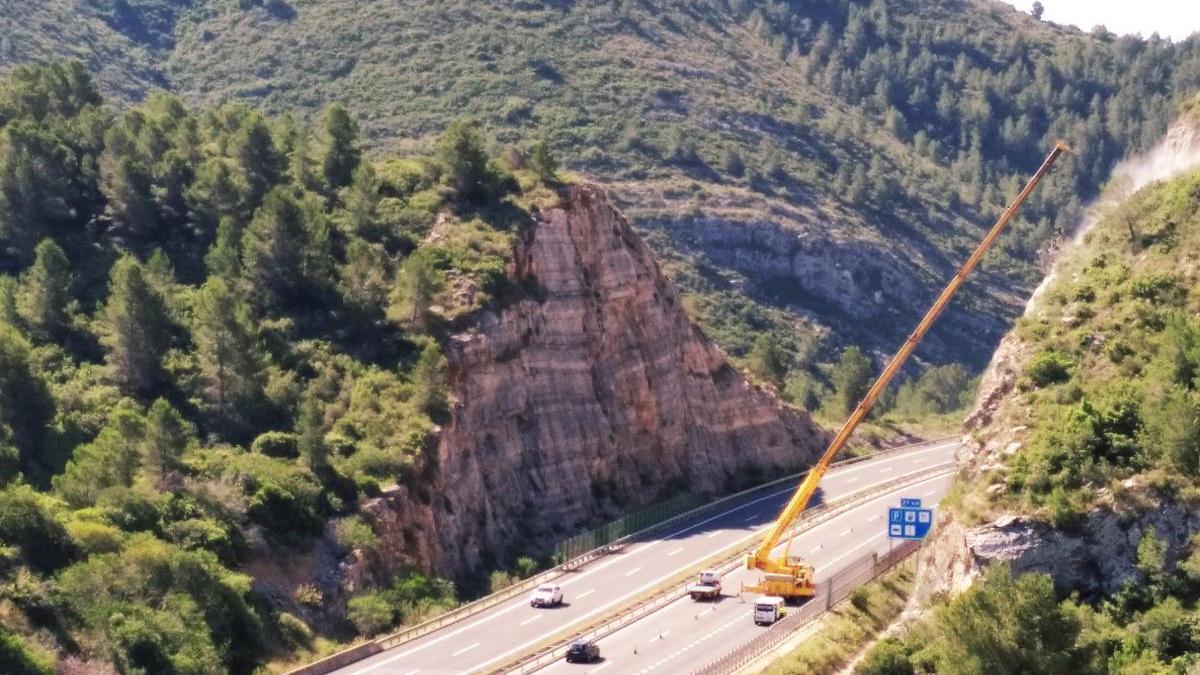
1137, 253
591, 395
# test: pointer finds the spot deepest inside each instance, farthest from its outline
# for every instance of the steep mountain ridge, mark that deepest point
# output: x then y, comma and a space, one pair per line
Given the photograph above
592, 395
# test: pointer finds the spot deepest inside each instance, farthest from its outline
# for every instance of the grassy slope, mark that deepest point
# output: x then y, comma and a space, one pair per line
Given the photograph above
32, 30
611, 90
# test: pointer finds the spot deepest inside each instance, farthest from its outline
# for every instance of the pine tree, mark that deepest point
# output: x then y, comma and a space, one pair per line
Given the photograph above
318, 270
274, 250
9, 291
341, 152
310, 433
851, 378
37, 175
767, 359
542, 162
365, 276
430, 380
160, 271
46, 292
230, 363
224, 257
417, 283
217, 193
460, 150
111, 460
166, 438
127, 188
362, 201
25, 403
10, 457
134, 327
253, 150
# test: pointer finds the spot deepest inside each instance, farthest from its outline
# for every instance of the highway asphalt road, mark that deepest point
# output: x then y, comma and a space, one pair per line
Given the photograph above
685, 635
510, 629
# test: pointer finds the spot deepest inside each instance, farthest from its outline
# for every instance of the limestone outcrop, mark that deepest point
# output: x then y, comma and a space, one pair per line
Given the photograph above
589, 395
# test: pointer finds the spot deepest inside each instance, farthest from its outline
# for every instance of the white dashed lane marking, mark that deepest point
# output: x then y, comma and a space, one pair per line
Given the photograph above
466, 649
690, 645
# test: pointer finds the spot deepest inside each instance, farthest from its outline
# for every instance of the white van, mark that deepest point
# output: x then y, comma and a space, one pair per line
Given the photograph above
769, 609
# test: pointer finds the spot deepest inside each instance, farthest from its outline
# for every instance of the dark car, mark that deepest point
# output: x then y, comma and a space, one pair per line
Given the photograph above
582, 652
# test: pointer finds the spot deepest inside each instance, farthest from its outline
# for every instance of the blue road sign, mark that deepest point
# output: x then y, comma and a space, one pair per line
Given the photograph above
909, 523
909, 503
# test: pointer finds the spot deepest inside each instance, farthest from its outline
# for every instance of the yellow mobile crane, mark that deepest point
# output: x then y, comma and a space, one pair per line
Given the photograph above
790, 576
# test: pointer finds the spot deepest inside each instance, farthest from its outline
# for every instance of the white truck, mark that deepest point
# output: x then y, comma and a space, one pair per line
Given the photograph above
769, 609
707, 586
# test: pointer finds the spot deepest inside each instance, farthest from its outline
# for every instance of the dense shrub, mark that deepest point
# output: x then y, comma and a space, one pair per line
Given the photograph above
354, 532
288, 514
294, 632
1048, 367
371, 613
276, 444
193, 589
28, 522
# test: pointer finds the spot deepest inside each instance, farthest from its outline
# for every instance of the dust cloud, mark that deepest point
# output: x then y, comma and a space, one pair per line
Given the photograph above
1177, 152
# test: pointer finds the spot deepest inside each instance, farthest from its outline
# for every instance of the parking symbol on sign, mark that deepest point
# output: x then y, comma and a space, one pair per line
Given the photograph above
909, 523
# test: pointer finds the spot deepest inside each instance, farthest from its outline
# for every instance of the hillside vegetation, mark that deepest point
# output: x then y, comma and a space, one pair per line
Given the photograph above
806, 169
1105, 410
219, 332
1110, 389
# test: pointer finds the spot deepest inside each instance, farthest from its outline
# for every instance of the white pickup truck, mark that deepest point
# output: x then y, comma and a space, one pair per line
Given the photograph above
707, 586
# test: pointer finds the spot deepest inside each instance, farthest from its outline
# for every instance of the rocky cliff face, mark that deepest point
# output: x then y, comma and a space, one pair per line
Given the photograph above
591, 395
1095, 558
864, 288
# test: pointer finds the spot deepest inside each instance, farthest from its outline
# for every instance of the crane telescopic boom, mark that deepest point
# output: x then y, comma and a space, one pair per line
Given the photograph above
792, 577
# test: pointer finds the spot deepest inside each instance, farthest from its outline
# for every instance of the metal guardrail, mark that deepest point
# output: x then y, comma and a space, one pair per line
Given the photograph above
370, 648
829, 593
726, 561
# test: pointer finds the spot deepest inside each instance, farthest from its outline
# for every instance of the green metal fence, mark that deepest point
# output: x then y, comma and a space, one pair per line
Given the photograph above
634, 522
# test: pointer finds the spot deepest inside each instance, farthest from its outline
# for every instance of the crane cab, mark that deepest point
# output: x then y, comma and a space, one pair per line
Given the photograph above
792, 581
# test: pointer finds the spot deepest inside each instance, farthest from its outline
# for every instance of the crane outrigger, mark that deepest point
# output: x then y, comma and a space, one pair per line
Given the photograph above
790, 576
